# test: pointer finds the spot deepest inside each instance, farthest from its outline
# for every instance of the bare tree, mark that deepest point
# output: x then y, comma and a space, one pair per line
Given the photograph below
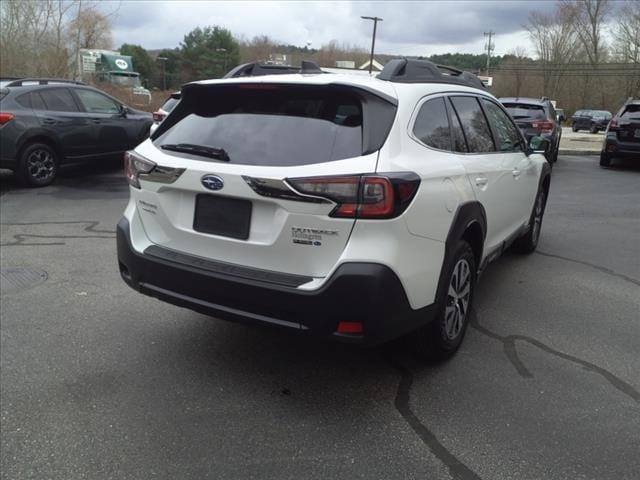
626, 46
556, 43
519, 59
589, 16
36, 36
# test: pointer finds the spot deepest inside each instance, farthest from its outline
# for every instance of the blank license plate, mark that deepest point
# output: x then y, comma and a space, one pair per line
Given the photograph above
227, 217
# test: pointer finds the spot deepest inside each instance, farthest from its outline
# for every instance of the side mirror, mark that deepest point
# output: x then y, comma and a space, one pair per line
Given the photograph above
124, 110
538, 145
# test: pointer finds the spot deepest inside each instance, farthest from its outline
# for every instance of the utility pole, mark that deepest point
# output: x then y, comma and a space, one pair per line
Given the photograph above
490, 46
373, 40
224, 51
164, 72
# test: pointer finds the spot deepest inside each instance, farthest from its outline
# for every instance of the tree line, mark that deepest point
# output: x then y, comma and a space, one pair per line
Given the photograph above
571, 62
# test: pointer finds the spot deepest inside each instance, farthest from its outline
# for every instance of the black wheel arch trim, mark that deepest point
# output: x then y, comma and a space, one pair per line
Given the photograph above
467, 214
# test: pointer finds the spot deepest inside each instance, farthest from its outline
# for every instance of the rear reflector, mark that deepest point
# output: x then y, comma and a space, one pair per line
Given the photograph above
6, 117
158, 117
350, 327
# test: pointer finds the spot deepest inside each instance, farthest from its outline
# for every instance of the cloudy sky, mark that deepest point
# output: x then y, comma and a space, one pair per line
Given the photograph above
409, 28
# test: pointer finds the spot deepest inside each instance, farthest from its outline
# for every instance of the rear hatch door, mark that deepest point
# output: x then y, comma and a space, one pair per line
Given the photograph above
527, 117
234, 202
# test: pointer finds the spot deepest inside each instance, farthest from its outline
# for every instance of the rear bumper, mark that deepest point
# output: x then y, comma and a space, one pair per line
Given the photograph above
362, 292
624, 150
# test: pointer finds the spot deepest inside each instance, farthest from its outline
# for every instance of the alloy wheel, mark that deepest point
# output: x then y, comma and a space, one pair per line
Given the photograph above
458, 297
537, 217
41, 165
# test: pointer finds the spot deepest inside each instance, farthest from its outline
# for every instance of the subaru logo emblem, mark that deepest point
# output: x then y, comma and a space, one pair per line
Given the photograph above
212, 182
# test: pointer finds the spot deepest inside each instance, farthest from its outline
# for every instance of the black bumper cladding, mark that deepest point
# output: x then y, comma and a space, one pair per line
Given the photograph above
357, 292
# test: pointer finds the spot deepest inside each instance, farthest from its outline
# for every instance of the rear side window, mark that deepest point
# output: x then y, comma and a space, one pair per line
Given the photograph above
525, 111
59, 99
94, 102
507, 136
432, 126
277, 125
169, 104
31, 100
474, 124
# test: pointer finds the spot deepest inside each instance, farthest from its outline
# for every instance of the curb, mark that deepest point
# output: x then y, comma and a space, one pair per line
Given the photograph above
579, 152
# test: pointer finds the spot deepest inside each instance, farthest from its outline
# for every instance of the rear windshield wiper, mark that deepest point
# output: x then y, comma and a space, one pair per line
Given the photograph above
200, 150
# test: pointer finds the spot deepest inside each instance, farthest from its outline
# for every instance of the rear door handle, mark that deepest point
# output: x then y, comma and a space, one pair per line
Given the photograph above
481, 181
48, 121
95, 120
516, 173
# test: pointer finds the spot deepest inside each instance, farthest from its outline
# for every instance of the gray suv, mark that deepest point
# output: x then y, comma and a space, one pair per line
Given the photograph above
46, 123
536, 117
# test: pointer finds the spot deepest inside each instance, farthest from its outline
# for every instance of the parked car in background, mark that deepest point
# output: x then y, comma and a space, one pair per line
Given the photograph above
536, 117
622, 138
357, 209
592, 120
164, 110
47, 123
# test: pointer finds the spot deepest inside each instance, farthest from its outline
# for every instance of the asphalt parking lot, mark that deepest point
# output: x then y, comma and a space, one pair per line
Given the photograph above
99, 382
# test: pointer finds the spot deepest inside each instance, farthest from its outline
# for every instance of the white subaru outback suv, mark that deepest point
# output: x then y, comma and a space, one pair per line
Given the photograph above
353, 208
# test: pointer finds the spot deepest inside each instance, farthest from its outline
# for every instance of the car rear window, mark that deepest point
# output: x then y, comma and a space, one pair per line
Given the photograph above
277, 125
169, 104
523, 110
630, 110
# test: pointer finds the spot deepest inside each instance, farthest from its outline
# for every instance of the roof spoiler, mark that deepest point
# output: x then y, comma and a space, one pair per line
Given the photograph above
402, 70
256, 69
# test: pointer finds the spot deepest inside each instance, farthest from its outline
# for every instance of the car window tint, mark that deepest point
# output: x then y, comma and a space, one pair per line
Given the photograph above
523, 111
59, 99
24, 100
94, 102
432, 126
630, 109
507, 135
457, 136
36, 101
474, 124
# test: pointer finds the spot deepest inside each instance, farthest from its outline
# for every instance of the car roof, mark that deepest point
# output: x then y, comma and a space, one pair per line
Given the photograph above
390, 90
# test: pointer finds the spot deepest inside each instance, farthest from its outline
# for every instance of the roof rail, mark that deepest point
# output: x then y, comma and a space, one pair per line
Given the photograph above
256, 69
41, 81
403, 70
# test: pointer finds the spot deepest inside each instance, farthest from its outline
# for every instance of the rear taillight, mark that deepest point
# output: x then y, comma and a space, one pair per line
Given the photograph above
362, 196
134, 165
158, 117
613, 125
6, 118
545, 126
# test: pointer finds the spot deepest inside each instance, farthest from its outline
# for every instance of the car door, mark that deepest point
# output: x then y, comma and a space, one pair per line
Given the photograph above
110, 124
512, 150
61, 118
489, 172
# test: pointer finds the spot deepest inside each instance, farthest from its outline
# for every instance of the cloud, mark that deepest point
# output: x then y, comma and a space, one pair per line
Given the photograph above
408, 28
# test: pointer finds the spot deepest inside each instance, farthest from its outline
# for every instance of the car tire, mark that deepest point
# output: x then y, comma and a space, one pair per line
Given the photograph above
605, 159
442, 337
593, 129
38, 165
528, 242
